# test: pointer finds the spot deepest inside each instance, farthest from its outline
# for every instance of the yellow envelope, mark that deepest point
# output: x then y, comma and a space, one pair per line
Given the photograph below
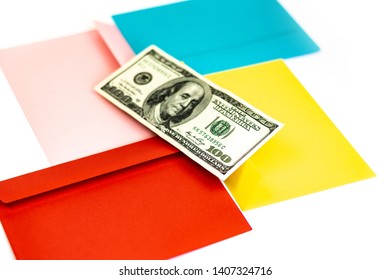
308, 155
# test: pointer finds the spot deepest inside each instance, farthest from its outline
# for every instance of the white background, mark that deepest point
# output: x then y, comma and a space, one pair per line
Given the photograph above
342, 233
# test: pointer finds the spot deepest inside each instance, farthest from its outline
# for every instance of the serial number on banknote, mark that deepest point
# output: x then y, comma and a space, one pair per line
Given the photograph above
211, 125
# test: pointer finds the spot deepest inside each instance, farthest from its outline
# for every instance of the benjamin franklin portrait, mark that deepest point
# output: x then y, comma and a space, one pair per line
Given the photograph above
176, 101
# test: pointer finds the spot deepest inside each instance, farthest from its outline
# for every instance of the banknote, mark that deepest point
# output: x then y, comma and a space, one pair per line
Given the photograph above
211, 125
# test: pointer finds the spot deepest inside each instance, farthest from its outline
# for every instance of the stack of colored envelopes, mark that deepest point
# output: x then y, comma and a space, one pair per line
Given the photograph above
102, 186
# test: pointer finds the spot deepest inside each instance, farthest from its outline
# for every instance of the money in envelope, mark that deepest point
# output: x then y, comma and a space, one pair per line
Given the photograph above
211, 125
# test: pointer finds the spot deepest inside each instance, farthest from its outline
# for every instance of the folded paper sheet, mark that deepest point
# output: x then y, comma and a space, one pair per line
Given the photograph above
113, 190
217, 35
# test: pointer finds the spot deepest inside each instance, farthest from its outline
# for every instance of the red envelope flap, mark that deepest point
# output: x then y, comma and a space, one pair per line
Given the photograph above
82, 169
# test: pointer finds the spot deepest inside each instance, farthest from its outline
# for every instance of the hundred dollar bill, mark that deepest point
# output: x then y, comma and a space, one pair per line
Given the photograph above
209, 124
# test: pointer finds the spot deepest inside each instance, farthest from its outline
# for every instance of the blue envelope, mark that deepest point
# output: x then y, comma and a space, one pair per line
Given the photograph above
216, 35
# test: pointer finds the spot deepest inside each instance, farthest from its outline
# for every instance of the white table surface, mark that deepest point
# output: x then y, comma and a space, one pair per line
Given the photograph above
342, 233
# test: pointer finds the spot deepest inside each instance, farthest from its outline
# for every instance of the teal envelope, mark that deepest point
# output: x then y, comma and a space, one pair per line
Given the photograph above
216, 35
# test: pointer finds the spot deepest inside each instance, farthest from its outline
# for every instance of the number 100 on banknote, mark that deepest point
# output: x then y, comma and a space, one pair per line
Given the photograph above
209, 124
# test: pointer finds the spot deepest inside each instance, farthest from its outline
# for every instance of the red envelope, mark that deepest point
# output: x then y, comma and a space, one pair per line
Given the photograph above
141, 200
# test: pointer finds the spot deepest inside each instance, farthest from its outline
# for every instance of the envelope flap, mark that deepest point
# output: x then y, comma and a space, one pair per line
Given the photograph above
82, 169
211, 36
114, 40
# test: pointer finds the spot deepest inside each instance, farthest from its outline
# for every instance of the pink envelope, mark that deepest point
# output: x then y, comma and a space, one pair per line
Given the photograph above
58, 99
113, 189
